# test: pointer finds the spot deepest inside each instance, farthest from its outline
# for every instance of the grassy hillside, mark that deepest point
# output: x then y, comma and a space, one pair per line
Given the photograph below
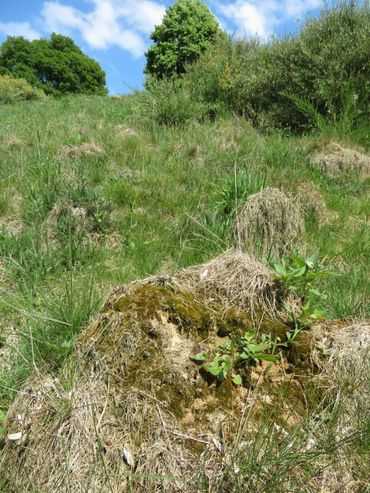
239, 154
93, 196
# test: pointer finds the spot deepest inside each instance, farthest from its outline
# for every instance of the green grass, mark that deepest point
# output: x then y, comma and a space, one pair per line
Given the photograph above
158, 198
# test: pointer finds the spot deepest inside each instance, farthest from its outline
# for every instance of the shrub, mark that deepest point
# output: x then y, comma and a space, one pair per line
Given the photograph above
326, 65
13, 90
169, 102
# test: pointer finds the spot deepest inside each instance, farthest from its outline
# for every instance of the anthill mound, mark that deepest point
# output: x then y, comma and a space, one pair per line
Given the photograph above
132, 411
270, 222
334, 160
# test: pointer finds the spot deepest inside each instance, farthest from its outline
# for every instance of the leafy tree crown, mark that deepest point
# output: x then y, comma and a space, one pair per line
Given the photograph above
187, 29
57, 66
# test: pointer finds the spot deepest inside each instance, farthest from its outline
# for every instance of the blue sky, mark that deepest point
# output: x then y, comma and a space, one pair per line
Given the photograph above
116, 32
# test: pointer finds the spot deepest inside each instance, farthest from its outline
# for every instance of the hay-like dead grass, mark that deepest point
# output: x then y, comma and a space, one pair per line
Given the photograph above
311, 201
343, 355
233, 279
87, 149
124, 132
132, 412
334, 160
61, 209
269, 223
10, 222
11, 141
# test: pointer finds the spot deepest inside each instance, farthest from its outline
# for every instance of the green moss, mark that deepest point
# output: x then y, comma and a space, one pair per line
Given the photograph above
192, 312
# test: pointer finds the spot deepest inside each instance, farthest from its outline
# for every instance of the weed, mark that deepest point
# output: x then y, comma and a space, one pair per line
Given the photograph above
300, 276
236, 353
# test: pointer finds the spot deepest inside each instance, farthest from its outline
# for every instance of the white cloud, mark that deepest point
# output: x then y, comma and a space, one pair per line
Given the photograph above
247, 17
253, 17
18, 29
122, 23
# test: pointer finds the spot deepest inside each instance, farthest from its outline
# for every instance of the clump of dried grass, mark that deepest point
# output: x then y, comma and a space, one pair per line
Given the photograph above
341, 351
238, 280
125, 132
335, 160
11, 141
344, 354
64, 209
234, 279
10, 221
311, 201
83, 150
269, 223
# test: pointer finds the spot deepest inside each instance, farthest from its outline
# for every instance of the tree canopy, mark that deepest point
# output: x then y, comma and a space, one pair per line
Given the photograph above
58, 66
187, 29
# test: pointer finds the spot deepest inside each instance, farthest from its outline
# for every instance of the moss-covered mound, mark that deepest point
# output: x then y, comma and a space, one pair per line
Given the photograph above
132, 411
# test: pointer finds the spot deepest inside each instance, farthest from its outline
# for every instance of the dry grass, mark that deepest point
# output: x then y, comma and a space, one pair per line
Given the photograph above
233, 279
312, 202
269, 223
83, 150
335, 160
11, 141
125, 132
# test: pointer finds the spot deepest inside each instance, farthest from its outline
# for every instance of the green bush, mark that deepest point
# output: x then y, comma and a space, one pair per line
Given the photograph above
326, 65
169, 102
13, 90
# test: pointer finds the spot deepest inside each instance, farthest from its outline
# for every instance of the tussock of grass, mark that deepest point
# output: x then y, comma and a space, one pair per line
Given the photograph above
269, 223
335, 160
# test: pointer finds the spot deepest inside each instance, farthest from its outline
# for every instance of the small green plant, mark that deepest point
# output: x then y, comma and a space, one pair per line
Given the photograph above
300, 276
235, 353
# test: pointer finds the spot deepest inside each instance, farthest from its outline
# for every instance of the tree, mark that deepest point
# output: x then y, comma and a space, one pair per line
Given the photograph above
57, 66
187, 29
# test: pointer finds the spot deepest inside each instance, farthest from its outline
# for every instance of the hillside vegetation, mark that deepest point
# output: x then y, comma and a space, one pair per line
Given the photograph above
96, 192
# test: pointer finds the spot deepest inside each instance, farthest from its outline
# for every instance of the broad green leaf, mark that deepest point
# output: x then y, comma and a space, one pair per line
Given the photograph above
244, 356
199, 357
237, 379
312, 260
280, 269
214, 369
317, 314
249, 335
299, 272
226, 365
256, 348
299, 261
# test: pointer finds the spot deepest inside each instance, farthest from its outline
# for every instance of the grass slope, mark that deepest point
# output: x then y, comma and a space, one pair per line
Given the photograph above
93, 194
